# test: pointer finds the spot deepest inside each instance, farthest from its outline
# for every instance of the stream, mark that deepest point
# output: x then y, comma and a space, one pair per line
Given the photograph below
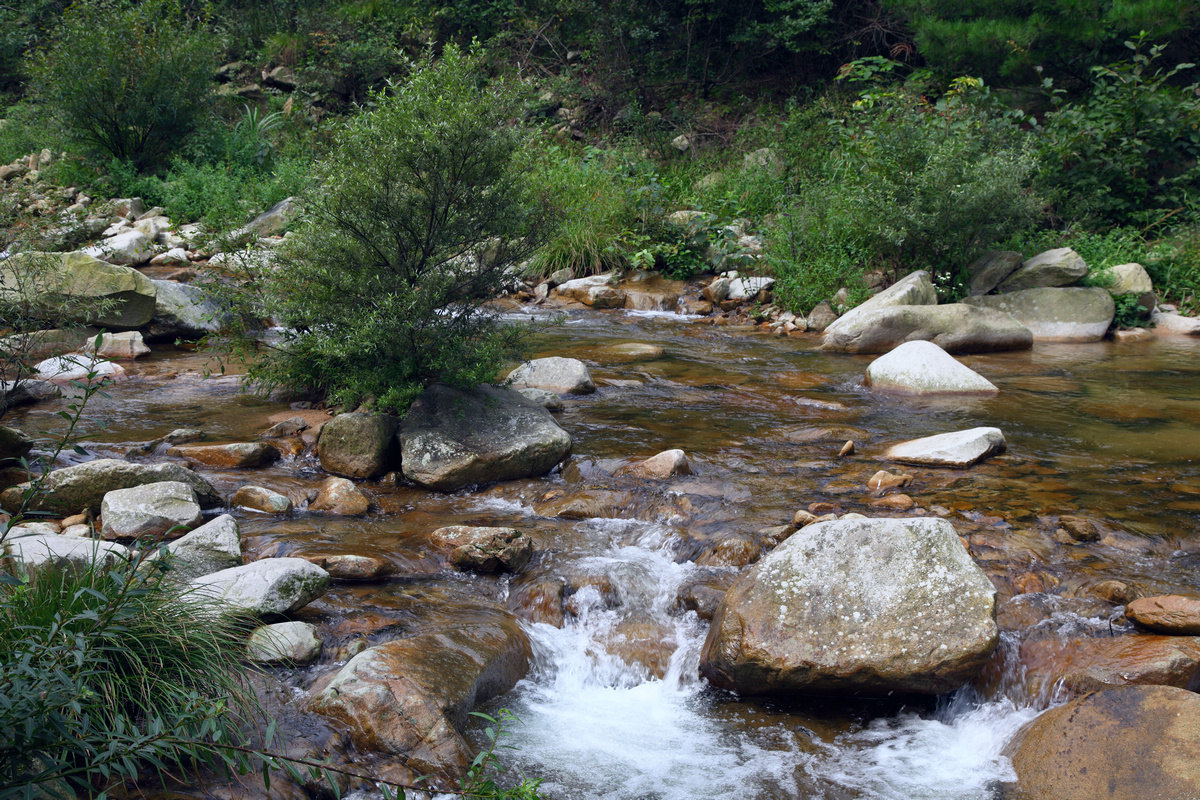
613, 707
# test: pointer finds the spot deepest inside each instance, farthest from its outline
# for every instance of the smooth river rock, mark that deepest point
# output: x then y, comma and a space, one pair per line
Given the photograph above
924, 368
955, 449
411, 697
554, 374
236, 455
340, 496
1076, 314
150, 510
1127, 743
13, 443
54, 549
1173, 614
956, 328
1058, 267
659, 467
212, 547
453, 438
71, 490
914, 289
357, 445
487, 550
266, 587
860, 606
284, 643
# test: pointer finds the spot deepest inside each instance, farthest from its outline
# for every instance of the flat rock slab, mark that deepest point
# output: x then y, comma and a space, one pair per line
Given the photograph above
924, 368
1172, 614
631, 351
453, 438
84, 278
956, 328
237, 455
956, 449
74, 489
554, 374
267, 587
1076, 314
858, 606
1175, 324
1128, 743
150, 510
914, 289
411, 696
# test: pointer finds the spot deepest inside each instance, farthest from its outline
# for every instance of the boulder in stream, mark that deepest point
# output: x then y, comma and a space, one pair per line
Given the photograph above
955, 449
1171, 614
1127, 743
284, 643
54, 549
554, 374
956, 328
924, 368
357, 445
486, 550
13, 443
340, 496
856, 606
453, 438
914, 289
1059, 267
412, 696
149, 510
659, 467
212, 547
1076, 314
73, 489
265, 587
125, 296
236, 455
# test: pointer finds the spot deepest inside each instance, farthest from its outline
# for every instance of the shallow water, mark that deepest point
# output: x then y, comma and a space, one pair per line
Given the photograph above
614, 707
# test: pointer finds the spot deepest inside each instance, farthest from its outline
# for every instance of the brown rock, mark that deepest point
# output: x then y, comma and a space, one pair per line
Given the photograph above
894, 502
1080, 529
732, 551
847, 449
1171, 614
586, 505
340, 496
642, 643
487, 550
1129, 743
883, 480
1089, 664
821, 508
288, 427
666, 464
257, 498
227, 456
704, 593
351, 566
1116, 592
803, 518
539, 601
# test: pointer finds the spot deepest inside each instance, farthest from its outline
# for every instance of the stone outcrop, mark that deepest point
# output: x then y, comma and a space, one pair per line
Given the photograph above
410, 697
924, 368
554, 374
861, 606
357, 445
1058, 267
1077, 314
71, 490
956, 328
955, 449
1128, 743
125, 296
453, 438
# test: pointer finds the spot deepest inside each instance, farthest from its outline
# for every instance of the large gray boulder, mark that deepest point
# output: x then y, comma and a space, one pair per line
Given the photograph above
861, 606
127, 248
956, 328
412, 696
958, 449
212, 547
554, 374
184, 311
1059, 267
53, 549
266, 587
76, 279
924, 368
71, 490
453, 438
30, 390
274, 220
1077, 314
149, 510
989, 269
358, 445
915, 289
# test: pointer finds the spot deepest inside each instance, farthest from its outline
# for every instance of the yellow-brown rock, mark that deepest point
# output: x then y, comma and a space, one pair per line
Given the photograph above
1171, 614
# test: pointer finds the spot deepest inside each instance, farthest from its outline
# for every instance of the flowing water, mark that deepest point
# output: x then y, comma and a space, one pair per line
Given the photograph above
613, 707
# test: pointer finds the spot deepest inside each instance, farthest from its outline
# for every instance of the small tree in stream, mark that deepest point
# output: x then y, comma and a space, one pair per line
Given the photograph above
421, 211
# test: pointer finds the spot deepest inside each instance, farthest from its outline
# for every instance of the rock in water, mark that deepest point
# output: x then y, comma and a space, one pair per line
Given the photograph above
915, 289
153, 509
956, 449
924, 368
1171, 614
72, 489
357, 445
212, 547
410, 696
956, 328
562, 375
1126, 743
861, 606
1058, 267
266, 587
453, 438
1076, 314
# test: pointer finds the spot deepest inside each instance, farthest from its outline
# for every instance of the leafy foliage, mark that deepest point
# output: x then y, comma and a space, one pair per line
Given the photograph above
421, 213
129, 81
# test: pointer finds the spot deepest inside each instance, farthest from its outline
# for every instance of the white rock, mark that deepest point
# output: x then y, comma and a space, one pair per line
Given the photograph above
914, 289
176, 255
269, 586
554, 374
284, 642
745, 288
955, 449
54, 549
1175, 324
127, 344
151, 509
921, 367
212, 547
76, 367
128, 248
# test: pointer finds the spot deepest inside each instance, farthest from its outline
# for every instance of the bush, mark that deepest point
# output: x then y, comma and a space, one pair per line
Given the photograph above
130, 81
421, 212
909, 185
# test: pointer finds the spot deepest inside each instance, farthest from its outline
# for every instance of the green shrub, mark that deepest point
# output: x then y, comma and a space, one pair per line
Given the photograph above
421, 212
909, 185
1127, 153
130, 81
